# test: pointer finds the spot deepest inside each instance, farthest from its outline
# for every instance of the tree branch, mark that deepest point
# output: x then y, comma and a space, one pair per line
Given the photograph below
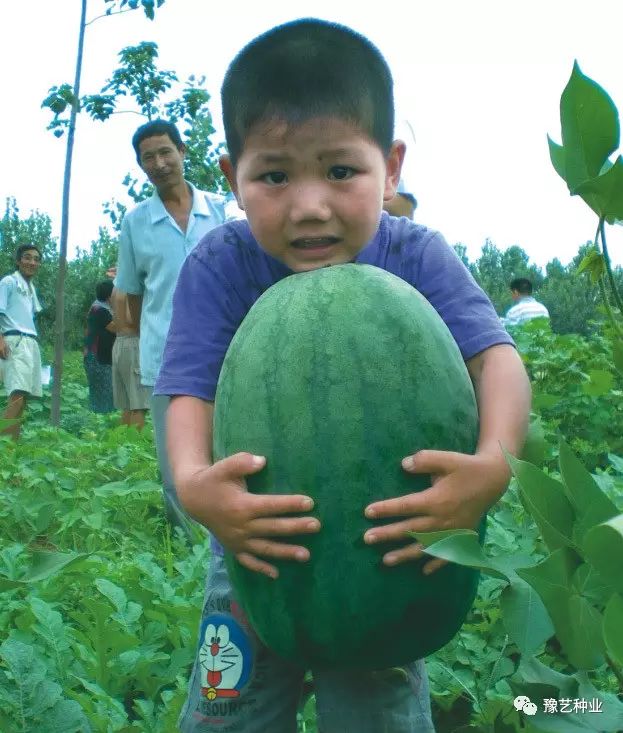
108, 15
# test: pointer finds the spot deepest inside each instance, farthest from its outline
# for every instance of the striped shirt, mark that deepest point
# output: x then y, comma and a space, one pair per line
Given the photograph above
525, 309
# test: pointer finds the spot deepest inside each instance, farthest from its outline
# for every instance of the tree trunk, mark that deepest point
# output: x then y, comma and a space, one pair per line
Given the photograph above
59, 340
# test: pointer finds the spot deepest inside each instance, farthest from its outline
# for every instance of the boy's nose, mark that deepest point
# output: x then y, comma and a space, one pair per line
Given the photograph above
310, 201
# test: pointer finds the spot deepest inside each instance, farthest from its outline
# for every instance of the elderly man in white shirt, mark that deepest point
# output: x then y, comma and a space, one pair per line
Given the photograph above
19, 350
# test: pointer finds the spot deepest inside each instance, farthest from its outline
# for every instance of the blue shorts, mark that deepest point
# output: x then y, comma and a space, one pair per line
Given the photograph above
238, 686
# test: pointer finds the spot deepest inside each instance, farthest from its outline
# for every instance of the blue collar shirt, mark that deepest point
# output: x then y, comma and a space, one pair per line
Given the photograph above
152, 250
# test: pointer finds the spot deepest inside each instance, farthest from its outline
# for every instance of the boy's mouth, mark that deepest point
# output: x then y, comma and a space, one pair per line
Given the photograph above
314, 242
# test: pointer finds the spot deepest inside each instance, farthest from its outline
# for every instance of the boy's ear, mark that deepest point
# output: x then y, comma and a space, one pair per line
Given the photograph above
393, 167
228, 171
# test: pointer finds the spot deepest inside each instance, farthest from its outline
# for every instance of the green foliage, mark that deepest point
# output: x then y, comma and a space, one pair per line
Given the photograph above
590, 131
145, 89
576, 390
100, 604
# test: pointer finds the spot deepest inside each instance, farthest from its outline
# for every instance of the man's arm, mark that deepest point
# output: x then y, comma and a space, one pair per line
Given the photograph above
4, 304
135, 306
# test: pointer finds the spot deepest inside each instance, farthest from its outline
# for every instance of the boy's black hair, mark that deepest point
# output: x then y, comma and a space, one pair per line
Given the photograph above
522, 285
19, 252
152, 128
103, 290
303, 69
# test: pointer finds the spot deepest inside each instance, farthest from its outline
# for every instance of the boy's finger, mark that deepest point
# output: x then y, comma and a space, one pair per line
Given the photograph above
397, 531
434, 565
239, 465
401, 506
433, 461
409, 553
277, 550
283, 526
256, 565
270, 505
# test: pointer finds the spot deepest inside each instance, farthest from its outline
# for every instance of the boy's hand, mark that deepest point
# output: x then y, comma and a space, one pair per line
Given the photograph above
463, 488
245, 524
4, 348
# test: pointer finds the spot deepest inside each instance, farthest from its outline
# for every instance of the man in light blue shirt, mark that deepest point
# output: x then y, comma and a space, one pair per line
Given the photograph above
155, 239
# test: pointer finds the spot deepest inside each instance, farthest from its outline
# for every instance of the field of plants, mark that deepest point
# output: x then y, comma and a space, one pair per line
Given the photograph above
100, 603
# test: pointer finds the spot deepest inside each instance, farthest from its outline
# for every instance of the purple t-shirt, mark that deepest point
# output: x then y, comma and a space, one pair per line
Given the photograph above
228, 271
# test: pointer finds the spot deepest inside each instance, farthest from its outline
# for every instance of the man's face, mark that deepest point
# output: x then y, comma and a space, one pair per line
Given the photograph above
313, 193
29, 263
162, 162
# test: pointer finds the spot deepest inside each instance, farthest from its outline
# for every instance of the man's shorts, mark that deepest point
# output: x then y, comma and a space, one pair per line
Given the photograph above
238, 686
128, 392
22, 370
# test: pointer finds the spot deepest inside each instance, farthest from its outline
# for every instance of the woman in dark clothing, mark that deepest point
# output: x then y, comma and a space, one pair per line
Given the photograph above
98, 341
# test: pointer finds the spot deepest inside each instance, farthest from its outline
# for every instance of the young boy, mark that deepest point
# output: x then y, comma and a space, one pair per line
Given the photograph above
308, 117
19, 348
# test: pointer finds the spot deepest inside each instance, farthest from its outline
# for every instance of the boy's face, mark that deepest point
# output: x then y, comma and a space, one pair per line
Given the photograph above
313, 193
29, 263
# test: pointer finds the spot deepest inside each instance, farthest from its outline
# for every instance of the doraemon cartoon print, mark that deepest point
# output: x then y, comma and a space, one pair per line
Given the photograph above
225, 657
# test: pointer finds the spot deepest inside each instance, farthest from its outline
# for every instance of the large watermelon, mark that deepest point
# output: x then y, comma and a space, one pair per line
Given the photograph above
335, 375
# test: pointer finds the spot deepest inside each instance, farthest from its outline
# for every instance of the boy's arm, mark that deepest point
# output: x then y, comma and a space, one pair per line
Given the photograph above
463, 487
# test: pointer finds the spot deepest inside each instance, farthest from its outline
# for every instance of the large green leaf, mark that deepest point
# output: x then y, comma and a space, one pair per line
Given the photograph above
604, 193
44, 564
590, 503
603, 547
577, 623
524, 616
613, 628
460, 546
590, 128
546, 501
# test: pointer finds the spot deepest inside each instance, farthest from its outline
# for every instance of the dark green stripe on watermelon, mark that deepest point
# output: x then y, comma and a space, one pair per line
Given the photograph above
335, 375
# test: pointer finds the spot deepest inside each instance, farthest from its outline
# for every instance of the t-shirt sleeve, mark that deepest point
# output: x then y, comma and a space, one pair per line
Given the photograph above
206, 314
448, 285
127, 279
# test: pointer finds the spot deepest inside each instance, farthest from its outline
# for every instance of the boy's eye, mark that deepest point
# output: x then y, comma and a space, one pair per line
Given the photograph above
341, 173
274, 178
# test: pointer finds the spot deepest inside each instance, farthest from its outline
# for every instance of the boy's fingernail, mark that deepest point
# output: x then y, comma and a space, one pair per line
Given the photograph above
313, 524
308, 504
257, 460
369, 537
370, 512
408, 462
301, 555
389, 559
